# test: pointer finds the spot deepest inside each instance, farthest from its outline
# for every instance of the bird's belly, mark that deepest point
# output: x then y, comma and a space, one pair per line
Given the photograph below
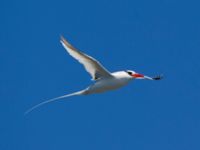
106, 85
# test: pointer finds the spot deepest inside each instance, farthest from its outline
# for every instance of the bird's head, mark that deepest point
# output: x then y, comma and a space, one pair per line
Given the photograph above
135, 75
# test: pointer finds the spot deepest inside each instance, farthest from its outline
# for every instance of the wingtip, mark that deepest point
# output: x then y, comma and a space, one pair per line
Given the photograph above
65, 42
62, 39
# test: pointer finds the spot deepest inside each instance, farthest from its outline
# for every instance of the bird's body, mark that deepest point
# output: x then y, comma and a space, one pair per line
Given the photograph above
117, 80
104, 80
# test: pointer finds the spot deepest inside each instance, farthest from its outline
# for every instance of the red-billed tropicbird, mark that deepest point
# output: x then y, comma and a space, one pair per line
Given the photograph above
104, 80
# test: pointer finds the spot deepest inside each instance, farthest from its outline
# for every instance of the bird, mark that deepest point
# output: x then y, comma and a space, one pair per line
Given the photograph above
103, 79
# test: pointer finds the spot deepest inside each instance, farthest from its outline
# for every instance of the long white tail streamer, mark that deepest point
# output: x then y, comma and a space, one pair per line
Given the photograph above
52, 100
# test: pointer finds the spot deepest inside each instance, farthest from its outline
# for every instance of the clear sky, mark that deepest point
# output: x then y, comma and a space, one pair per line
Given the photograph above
150, 37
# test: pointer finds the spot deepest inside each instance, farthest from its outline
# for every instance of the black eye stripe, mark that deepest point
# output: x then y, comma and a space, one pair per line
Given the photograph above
130, 73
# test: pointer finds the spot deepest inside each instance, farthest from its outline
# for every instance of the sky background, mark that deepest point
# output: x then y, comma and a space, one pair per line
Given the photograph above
150, 37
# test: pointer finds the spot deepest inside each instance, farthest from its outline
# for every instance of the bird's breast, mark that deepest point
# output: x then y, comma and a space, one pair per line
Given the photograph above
104, 85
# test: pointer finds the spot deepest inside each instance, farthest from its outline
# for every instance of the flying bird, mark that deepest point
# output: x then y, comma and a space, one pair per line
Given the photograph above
104, 80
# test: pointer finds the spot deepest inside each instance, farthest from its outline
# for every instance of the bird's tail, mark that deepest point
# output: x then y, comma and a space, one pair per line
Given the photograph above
54, 99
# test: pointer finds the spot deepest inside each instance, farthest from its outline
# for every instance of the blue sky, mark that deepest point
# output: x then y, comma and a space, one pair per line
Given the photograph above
150, 37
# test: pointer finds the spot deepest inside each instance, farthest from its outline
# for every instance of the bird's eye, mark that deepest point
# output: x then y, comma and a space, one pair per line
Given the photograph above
130, 73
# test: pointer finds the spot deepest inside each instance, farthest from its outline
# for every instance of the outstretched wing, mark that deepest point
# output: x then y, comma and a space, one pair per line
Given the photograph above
93, 67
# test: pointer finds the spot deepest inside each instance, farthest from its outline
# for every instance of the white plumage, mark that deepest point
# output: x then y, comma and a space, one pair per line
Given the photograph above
93, 67
104, 80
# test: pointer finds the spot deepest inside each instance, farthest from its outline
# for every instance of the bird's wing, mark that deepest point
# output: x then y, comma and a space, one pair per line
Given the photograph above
93, 67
